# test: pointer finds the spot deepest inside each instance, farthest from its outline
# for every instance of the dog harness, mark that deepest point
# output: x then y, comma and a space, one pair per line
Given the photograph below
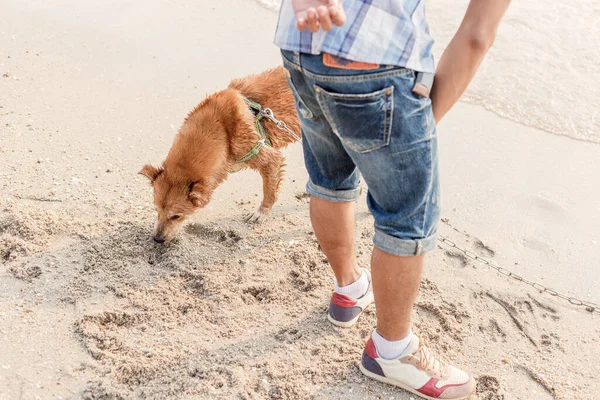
259, 113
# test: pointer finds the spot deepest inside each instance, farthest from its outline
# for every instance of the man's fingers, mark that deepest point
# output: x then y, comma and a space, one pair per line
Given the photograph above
301, 21
324, 19
337, 13
324, 15
312, 20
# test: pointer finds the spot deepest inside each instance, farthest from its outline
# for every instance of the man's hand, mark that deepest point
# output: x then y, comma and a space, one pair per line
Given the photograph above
318, 13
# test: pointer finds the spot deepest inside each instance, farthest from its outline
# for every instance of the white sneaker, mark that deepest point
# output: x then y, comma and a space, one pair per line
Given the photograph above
418, 371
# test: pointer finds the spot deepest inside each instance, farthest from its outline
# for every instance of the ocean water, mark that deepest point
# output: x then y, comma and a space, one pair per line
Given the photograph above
544, 68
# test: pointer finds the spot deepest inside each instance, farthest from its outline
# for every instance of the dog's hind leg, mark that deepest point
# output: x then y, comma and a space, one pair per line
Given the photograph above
271, 170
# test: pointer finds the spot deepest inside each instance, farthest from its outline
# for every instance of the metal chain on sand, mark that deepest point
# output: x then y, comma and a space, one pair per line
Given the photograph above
589, 306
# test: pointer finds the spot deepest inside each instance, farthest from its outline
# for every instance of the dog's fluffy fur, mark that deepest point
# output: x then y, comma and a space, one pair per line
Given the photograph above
217, 133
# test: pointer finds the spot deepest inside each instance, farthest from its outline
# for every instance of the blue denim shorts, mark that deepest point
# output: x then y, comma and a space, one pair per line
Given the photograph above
370, 123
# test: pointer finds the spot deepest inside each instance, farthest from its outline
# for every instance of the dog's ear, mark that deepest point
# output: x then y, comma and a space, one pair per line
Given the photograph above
200, 193
151, 172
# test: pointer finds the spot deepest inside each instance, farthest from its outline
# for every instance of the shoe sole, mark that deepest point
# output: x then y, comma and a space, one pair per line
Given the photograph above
393, 382
368, 300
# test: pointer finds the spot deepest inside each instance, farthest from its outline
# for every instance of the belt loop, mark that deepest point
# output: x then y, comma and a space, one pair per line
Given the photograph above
297, 57
419, 248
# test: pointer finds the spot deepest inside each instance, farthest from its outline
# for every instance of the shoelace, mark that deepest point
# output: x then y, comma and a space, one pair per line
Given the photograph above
426, 360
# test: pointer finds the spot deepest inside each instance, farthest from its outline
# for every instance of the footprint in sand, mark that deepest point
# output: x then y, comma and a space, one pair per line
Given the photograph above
227, 237
536, 244
25, 272
488, 388
448, 315
288, 335
427, 286
12, 248
455, 259
301, 282
255, 294
545, 310
551, 209
194, 283
494, 330
514, 316
482, 249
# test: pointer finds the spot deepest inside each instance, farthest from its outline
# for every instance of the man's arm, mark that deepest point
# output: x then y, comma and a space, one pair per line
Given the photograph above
465, 53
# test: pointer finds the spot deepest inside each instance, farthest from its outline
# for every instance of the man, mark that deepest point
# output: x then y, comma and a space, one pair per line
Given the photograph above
352, 68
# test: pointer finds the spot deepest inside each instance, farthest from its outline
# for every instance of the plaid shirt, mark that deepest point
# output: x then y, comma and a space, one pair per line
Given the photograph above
386, 32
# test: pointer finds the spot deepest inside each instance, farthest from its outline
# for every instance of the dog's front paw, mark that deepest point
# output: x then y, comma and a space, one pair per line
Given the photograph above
257, 216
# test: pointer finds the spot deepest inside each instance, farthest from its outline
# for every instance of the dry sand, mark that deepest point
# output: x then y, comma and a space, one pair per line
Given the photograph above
91, 308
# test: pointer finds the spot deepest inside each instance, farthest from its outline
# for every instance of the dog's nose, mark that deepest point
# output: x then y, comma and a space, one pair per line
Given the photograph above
159, 239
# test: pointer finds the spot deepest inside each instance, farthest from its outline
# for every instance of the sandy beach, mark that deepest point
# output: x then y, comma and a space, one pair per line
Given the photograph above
92, 308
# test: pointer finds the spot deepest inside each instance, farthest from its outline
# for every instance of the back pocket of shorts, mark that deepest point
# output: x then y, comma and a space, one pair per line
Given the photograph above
362, 121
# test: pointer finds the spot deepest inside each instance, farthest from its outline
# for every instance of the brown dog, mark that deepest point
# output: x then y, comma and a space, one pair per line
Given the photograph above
218, 134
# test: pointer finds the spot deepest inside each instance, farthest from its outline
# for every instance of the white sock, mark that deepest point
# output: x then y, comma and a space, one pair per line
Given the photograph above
355, 290
390, 350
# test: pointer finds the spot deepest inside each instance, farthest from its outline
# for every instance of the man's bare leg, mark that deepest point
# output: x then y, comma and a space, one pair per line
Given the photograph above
396, 283
333, 224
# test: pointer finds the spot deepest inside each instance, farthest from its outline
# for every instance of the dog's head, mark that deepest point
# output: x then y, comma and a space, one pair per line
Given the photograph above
175, 200
199, 160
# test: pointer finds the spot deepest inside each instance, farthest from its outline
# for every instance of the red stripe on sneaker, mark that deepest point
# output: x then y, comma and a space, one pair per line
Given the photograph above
370, 348
430, 389
341, 300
